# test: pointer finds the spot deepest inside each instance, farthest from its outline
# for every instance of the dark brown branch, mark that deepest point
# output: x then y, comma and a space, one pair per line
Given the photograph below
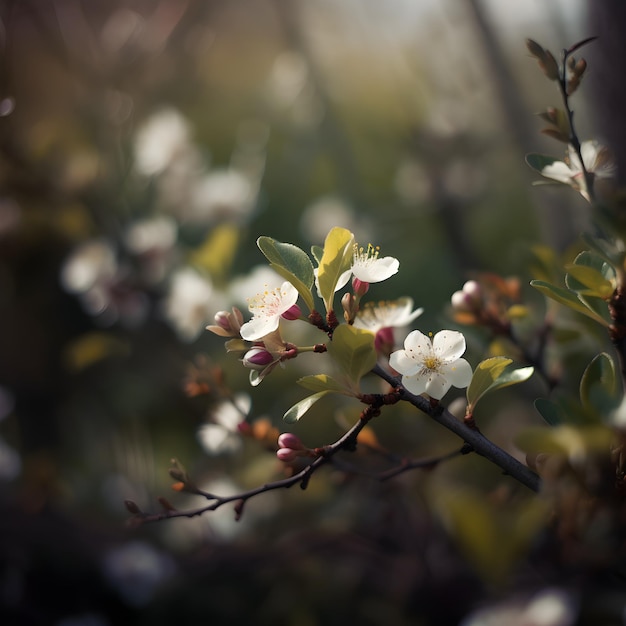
480, 444
324, 456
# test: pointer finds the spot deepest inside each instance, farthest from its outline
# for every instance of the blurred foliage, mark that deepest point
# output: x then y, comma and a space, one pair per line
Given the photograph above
144, 147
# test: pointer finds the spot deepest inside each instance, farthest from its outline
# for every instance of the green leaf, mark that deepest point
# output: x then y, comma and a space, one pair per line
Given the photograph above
571, 300
605, 249
538, 161
336, 259
353, 350
538, 439
300, 408
590, 275
317, 253
600, 391
291, 263
484, 376
322, 382
588, 281
551, 412
574, 442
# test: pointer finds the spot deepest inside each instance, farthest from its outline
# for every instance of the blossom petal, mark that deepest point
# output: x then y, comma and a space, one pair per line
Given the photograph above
437, 385
376, 271
404, 364
449, 345
416, 384
458, 373
427, 381
258, 327
418, 343
558, 171
589, 151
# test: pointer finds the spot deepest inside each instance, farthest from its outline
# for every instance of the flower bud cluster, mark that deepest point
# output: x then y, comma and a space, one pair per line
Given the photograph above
227, 324
490, 301
290, 447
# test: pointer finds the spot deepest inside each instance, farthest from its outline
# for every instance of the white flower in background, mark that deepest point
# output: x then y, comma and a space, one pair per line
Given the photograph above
222, 194
432, 366
598, 162
152, 234
137, 570
190, 303
93, 273
549, 607
221, 434
160, 140
91, 263
267, 308
375, 316
152, 240
369, 268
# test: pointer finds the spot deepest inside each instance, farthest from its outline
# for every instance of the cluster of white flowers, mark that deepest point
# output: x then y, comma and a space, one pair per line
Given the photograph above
427, 365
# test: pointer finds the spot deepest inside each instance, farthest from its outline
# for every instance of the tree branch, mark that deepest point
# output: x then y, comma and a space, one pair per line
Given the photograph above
480, 444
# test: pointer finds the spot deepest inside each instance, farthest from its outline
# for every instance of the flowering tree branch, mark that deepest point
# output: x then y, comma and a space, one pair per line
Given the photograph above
472, 436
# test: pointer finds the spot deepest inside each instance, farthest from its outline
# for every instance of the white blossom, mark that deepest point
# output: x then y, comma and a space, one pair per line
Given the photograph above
432, 366
598, 162
389, 314
267, 308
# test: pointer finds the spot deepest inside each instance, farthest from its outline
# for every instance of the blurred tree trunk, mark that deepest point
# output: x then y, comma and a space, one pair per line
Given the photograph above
607, 20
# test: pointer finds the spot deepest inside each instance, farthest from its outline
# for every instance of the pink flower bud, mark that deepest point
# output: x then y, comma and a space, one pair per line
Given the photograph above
257, 358
222, 319
287, 455
384, 341
359, 287
473, 290
293, 313
291, 441
227, 324
469, 299
460, 302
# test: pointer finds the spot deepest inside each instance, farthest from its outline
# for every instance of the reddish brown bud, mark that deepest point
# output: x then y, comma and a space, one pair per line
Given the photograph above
132, 507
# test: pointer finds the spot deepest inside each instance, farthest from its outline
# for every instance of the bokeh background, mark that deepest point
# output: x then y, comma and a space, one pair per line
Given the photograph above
145, 145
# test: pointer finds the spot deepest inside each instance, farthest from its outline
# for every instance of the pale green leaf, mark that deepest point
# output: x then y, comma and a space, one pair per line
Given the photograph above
317, 252
551, 412
569, 299
537, 162
291, 263
322, 382
484, 376
300, 408
353, 350
600, 389
336, 259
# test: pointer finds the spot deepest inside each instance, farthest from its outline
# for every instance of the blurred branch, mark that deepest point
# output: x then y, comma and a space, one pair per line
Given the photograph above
323, 456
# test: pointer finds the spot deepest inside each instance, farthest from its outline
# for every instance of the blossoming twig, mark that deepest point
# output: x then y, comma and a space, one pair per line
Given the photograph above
480, 444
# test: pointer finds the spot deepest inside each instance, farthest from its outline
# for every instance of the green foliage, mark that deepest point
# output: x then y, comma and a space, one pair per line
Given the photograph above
492, 537
551, 412
354, 352
321, 382
300, 408
291, 263
491, 375
590, 275
336, 259
574, 301
576, 443
538, 162
600, 388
